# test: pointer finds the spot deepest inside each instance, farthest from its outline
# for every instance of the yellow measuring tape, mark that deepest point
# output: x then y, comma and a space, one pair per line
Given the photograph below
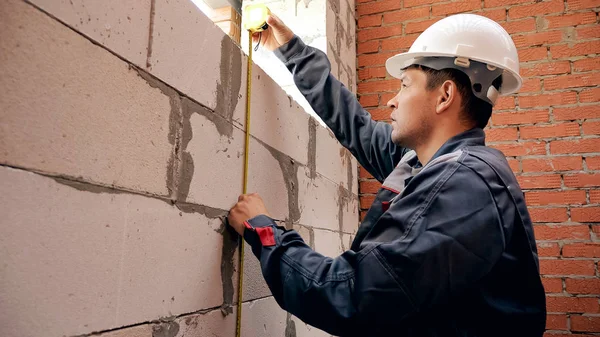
255, 20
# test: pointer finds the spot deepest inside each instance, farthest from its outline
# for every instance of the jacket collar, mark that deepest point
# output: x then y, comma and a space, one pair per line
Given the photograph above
472, 137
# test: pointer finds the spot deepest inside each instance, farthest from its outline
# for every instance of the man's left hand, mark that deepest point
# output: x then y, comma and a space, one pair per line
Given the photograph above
247, 207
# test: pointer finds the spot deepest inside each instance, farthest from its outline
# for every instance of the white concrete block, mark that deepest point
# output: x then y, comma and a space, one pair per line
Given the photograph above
254, 283
328, 243
275, 119
305, 330
71, 108
122, 26
216, 149
333, 160
263, 318
106, 259
318, 201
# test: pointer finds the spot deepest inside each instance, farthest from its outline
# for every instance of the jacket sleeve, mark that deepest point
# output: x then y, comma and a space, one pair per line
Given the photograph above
415, 259
369, 141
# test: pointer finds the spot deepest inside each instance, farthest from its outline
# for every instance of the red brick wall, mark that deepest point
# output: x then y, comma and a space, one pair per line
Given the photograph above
549, 131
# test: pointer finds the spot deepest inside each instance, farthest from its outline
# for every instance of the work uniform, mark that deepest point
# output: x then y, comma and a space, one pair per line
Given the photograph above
446, 249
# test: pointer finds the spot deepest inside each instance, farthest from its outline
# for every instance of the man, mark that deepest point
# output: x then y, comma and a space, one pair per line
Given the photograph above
447, 248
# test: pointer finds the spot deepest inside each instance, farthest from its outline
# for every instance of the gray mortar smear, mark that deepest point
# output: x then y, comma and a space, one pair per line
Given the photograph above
289, 168
167, 329
312, 147
228, 88
230, 244
344, 197
290, 326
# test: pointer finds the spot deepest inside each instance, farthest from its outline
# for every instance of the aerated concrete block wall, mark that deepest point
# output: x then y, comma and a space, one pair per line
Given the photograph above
121, 150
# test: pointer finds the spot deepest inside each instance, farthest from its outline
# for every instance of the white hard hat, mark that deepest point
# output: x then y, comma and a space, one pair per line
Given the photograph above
465, 38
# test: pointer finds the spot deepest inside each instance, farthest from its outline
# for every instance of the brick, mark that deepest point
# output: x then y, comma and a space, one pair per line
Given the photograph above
595, 196
414, 3
370, 186
556, 198
587, 64
531, 85
514, 118
366, 201
514, 165
556, 322
583, 286
589, 95
550, 249
559, 98
68, 71
581, 250
418, 27
263, 317
558, 214
572, 81
532, 54
504, 103
552, 164
380, 114
494, 14
368, 47
547, 181
582, 180
369, 100
369, 73
591, 128
362, 215
505, 3
378, 7
545, 68
575, 146
549, 131
579, 49
585, 323
116, 246
537, 39
404, 15
571, 304
378, 59
333, 161
552, 285
370, 21
119, 26
379, 86
402, 42
570, 20
586, 214
379, 32
455, 7
540, 8
579, 112
593, 163
562, 232
567, 267
499, 134
588, 32
574, 5
521, 148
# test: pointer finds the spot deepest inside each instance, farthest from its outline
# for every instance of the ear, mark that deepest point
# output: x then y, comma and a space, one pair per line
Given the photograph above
447, 95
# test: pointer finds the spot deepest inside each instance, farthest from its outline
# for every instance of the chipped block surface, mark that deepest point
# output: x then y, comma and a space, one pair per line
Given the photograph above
263, 318
54, 117
254, 283
120, 25
106, 259
213, 149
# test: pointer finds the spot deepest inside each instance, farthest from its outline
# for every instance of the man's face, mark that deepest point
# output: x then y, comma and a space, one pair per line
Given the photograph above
413, 109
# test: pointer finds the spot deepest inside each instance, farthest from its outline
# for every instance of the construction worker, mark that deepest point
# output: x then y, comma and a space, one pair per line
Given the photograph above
447, 248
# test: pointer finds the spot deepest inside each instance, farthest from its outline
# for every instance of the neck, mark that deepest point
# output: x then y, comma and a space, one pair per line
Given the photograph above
436, 139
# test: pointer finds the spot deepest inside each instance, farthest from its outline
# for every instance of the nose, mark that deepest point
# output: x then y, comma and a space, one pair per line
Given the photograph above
393, 103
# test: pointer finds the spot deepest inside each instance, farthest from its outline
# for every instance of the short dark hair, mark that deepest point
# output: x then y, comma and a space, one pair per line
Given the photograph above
477, 111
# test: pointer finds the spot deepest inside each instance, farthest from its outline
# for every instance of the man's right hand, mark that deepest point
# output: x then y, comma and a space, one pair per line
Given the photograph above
275, 36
